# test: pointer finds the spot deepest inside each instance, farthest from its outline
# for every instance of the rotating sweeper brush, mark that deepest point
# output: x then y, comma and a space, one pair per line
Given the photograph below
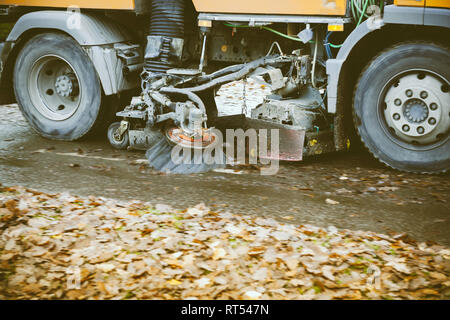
179, 153
172, 117
177, 141
169, 123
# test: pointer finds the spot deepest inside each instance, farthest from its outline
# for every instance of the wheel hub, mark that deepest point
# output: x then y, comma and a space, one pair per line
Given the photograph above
66, 85
416, 111
417, 108
197, 141
54, 88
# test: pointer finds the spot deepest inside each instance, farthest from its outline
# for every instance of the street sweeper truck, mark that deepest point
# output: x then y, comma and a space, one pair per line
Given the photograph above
147, 71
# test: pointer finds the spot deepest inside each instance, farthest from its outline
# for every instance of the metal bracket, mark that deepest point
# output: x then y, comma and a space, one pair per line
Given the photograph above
124, 125
4, 11
155, 47
261, 19
135, 114
129, 54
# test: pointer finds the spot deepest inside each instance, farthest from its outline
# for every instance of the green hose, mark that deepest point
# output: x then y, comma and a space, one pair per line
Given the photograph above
265, 28
359, 12
281, 34
336, 46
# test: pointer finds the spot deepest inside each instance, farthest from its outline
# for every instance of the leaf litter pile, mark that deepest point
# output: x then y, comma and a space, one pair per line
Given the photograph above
65, 247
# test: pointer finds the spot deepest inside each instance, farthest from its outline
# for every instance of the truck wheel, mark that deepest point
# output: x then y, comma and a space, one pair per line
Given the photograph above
401, 107
120, 143
57, 88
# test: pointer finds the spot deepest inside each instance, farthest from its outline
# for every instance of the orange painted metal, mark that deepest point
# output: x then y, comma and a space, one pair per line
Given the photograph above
423, 3
410, 3
438, 3
86, 4
288, 7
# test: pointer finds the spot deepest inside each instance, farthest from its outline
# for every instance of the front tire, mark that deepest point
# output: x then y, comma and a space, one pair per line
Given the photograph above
117, 143
57, 88
402, 105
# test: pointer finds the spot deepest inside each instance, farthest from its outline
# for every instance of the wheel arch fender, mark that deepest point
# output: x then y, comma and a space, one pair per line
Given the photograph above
86, 29
97, 35
338, 89
364, 42
393, 15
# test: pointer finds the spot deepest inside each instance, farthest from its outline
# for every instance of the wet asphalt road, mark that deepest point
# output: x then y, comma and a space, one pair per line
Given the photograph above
370, 196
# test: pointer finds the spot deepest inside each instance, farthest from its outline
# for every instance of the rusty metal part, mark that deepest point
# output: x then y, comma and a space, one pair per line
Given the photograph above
198, 141
118, 134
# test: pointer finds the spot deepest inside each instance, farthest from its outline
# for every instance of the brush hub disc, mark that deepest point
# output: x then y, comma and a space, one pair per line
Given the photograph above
197, 141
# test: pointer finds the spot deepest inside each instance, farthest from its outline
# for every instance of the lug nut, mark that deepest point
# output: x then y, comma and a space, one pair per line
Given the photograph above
424, 94
409, 93
396, 116
405, 128
432, 121
433, 106
420, 130
398, 102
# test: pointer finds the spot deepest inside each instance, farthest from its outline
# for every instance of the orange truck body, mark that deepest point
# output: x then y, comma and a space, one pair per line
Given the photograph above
87, 4
288, 7
422, 3
296, 7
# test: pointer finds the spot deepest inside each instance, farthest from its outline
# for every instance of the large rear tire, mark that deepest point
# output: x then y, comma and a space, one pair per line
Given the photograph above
402, 105
57, 88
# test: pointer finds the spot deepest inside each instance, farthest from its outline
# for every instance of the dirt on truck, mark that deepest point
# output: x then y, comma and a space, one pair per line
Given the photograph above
340, 72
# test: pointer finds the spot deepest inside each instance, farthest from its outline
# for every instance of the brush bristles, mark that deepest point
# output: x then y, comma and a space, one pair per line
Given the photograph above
160, 158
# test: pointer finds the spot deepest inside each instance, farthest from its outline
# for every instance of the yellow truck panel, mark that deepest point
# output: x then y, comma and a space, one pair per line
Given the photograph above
87, 4
288, 7
423, 3
438, 3
410, 3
